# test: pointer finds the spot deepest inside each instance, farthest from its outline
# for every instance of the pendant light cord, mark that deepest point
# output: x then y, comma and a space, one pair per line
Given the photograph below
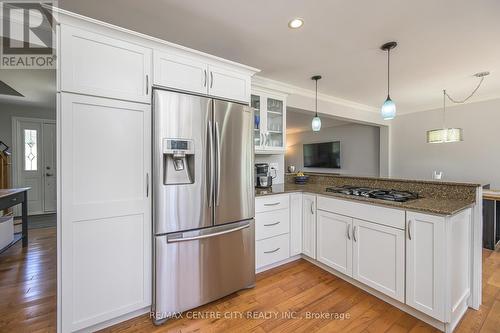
316, 101
444, 108
388, 71
468, 97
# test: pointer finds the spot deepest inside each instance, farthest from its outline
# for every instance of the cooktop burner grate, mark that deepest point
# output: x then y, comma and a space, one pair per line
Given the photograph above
375, 193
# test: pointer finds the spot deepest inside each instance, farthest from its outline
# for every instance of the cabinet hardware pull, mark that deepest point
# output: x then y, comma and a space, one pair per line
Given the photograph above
147, 84
147, 185
211, 79
354, 234
272, 251
312, 207
271, 224
409, 229
348, 230
272, 204
205, 75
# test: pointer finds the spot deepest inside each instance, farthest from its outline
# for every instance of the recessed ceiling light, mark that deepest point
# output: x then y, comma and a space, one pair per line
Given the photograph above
295, 23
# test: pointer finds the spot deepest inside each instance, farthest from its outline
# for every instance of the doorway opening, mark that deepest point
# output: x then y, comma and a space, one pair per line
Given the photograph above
28, 198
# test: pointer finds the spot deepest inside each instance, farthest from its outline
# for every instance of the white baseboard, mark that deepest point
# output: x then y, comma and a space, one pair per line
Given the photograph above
279, 263
116, 320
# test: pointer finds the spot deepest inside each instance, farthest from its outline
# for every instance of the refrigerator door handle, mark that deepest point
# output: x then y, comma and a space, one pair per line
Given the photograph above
214, 234
217, 167
210, 164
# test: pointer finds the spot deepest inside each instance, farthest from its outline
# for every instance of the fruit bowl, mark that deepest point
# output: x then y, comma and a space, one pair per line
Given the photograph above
301, 180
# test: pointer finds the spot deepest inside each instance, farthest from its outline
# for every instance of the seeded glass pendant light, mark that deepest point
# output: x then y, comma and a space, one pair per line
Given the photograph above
316, 122
388, 109
445, 134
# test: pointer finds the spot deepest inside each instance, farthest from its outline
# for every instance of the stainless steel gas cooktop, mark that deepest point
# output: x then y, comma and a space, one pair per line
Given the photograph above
375, 193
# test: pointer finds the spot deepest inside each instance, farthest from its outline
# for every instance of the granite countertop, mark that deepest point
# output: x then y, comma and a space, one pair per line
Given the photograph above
439, 206
490, 195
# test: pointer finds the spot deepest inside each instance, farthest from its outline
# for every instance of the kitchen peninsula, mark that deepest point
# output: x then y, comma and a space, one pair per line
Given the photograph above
422, 255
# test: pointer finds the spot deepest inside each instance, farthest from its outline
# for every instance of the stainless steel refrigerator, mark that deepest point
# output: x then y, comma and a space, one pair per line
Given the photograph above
203, 201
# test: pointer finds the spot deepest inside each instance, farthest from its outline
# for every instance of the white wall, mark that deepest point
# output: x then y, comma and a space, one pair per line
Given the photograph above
276, 160
7, 111
476, 159
359, 149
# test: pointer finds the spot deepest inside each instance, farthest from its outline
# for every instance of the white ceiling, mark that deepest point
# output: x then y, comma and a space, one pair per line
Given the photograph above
298, 120
38, 87
441, 43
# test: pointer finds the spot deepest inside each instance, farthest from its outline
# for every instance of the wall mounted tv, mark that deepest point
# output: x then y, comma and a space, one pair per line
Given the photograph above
322, 155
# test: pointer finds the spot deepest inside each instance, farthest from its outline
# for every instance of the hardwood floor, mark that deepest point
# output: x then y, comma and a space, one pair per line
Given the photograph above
28, 300
28, 284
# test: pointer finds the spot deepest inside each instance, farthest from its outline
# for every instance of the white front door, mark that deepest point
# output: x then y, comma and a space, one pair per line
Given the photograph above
34, 158
49, 167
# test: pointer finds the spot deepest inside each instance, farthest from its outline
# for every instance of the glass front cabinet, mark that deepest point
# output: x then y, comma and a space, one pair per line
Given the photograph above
269, 122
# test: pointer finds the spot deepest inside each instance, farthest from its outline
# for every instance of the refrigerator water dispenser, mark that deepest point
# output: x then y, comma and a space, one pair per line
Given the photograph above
178, 161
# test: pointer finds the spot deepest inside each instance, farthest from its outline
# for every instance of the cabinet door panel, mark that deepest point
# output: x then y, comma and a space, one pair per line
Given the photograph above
425, 263
309, 225
334, 241
378, 257
229, 84
106, 209
173, 71
95, 64
295, 224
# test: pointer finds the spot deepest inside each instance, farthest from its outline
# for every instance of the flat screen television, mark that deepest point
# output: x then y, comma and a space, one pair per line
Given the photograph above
322, 155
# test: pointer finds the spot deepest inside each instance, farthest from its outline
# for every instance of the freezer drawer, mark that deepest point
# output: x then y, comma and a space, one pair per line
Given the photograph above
196, 267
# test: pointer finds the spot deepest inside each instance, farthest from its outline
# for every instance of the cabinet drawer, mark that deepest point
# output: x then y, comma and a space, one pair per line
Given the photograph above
387, 216
272, 223
271, 250
271, 202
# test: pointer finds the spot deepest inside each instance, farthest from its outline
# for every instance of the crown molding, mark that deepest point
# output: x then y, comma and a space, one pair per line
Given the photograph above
262, 82
439, 106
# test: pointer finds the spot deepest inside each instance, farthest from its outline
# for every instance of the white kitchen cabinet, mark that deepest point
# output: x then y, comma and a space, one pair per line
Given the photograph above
272, 223
194, 74
272, 230
271, 250
105, 206
269, 121
309, 225
425, 263
227, 83
335, 241
295, 224
271, 202
378, 257
178, 72
99, 65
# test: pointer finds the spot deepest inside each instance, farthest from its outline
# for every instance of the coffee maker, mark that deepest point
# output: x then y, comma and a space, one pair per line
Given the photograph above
263, 178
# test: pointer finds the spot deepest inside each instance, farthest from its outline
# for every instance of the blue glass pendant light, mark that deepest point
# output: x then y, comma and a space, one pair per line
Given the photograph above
388, 109
316, 122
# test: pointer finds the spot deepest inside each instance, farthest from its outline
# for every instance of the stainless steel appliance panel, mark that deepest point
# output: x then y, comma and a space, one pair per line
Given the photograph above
234, 184
181, 119
196, 267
